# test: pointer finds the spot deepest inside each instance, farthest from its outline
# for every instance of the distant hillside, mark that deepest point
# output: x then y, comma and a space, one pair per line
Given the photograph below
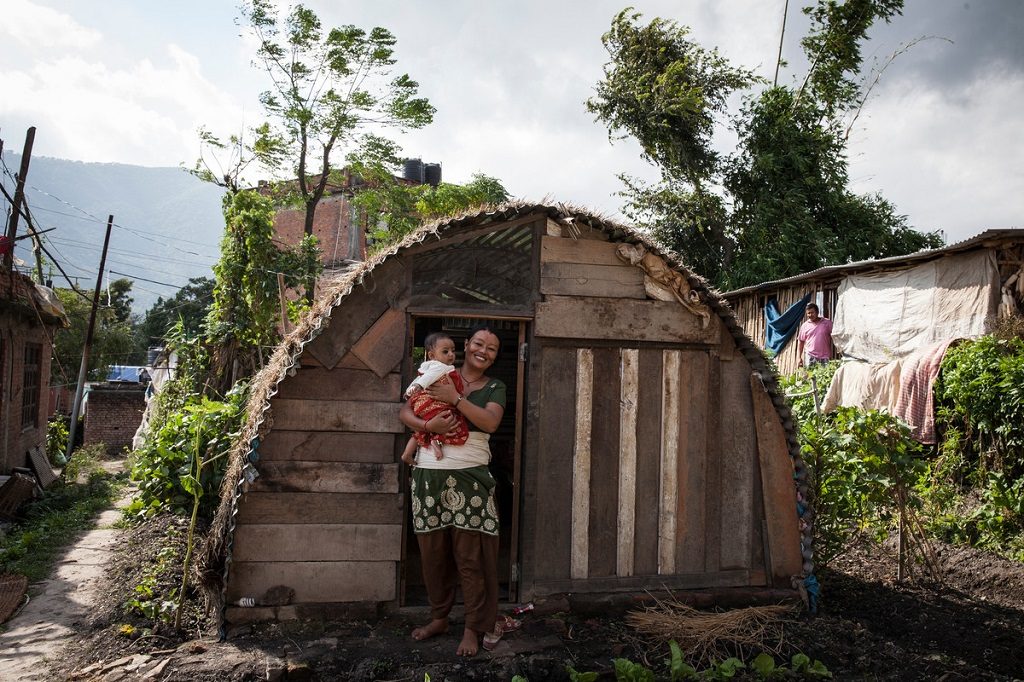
167, 228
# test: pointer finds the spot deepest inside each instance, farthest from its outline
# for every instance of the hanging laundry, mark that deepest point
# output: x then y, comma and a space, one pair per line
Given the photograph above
780, 327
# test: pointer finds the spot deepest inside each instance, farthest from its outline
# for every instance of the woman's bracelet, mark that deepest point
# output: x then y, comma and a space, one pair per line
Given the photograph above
459, 400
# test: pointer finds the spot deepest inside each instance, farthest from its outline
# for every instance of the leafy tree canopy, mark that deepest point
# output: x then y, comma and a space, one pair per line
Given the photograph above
779, 204
189, 306
400, 207
113, 343
332, 92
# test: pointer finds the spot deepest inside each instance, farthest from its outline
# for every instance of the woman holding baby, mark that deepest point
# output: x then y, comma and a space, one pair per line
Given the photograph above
455, 515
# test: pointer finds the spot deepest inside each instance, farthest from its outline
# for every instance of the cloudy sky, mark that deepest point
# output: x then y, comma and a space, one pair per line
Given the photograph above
129, 81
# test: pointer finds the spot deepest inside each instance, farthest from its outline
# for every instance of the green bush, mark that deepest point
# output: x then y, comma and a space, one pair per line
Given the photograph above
164, 467
975, 488
798, 387
57, 434
980, 395
864, 469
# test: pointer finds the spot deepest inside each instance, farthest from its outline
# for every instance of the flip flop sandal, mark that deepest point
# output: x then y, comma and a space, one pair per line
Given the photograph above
491, 639
504, 624
509, 624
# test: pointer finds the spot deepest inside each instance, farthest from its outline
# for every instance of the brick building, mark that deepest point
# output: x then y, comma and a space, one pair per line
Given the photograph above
113, 413
338, 225
28, 320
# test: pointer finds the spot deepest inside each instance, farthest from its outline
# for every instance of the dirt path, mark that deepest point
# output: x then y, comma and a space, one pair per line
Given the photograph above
59, 606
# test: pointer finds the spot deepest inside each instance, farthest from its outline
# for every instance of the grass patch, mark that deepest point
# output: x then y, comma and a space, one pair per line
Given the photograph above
31, 547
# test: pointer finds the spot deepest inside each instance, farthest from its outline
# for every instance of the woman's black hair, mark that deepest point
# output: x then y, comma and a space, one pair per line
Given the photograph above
483, 327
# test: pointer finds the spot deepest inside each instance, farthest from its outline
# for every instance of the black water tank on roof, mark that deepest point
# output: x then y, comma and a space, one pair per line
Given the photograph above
432, 174
413, 170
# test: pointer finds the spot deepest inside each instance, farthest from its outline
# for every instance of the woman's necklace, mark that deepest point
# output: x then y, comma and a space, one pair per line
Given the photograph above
466, 383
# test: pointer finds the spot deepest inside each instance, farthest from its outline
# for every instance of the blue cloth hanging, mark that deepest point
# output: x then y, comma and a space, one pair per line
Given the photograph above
780, 327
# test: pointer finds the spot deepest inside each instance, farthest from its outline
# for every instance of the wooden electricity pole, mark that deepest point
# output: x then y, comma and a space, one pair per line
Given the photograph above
19, 198
82, 370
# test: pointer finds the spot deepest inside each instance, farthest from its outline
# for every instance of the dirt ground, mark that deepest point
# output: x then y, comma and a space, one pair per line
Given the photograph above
970, 627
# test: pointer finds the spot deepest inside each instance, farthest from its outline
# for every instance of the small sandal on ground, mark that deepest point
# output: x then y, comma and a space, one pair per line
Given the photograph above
504, 624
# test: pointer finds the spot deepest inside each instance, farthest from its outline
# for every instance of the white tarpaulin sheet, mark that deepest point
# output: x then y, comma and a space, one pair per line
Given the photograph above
888, 315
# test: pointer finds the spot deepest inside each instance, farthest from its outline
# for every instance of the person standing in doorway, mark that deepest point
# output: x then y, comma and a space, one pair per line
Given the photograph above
455, 514
815, 338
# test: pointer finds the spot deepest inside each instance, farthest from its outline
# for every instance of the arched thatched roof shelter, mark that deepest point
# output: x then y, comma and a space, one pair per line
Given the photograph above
645, 444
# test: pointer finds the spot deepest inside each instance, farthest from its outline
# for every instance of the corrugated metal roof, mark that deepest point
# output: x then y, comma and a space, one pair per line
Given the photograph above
896, 261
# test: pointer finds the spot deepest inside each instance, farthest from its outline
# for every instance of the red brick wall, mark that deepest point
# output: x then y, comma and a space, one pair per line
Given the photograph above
20, 325
331, 226
112, 415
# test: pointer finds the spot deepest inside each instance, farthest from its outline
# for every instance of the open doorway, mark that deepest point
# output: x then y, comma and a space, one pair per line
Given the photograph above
505, 444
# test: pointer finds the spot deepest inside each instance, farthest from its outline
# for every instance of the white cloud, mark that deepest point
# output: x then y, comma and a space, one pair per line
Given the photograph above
144, 113
949, 158
39, 27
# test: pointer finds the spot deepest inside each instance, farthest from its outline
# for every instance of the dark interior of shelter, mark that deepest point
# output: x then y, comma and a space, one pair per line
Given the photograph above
502, 443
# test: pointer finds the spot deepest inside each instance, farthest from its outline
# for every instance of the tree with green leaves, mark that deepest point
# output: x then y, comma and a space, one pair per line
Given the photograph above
242, 324
395, 207
113, 341
329, 91
189, 305
780, 204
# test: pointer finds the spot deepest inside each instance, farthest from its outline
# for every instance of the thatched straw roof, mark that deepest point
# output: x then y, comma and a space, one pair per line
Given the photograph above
243, 465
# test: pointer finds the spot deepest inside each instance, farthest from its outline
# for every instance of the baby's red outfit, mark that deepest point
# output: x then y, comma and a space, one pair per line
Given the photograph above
426, 408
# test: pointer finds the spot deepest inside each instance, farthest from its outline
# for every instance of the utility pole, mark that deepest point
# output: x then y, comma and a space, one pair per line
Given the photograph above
80, 389
19, 197
782, 35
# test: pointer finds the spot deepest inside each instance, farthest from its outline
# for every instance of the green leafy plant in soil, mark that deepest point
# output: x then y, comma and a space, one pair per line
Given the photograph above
154, 598
762, 667
168, 467
57, 434
975, 487
32, 546
865, 466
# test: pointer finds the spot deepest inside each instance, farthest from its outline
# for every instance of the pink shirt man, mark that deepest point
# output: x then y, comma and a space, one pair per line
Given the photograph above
815, 337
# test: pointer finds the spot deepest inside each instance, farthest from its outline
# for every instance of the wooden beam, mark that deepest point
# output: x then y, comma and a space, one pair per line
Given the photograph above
303, 508
327, 477
648, 461
777, 484
669, 493
313, 581
382, 347
585, 279
738, 463
594, 252
692, 516
683, 581
317, 383
627, 462
337, 415
317, 542
624, 320
327, 446
581, 464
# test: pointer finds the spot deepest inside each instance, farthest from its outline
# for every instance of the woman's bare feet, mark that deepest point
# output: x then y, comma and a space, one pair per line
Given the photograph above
438, 626
470, 643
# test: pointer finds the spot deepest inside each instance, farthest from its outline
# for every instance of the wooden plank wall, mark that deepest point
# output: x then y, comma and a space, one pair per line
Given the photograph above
647, 463
628, 485
325, 517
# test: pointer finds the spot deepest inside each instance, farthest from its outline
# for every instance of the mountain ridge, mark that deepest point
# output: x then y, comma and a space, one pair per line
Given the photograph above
168, 223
